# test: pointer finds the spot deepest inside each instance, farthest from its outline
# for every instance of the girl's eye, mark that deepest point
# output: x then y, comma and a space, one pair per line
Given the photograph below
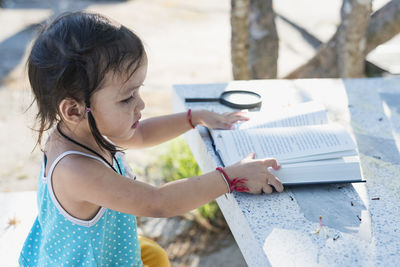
129, 99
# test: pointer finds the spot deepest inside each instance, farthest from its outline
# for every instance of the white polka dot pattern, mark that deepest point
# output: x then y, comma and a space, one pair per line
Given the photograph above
55, 240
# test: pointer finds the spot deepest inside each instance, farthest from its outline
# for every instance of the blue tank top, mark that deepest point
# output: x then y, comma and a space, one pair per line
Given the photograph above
59, 239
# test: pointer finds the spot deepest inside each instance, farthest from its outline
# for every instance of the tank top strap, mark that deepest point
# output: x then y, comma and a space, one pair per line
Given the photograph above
69, 152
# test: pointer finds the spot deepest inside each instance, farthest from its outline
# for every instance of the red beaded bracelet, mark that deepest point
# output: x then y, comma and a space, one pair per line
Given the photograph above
189, 117
236, 184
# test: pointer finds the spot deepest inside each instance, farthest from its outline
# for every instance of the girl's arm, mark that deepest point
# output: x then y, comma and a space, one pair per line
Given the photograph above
157, 130
82, 180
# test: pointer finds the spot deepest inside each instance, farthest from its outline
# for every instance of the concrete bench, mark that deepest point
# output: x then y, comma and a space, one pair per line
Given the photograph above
361, 221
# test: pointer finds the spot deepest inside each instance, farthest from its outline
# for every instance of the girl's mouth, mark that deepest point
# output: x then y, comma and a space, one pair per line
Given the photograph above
135, 124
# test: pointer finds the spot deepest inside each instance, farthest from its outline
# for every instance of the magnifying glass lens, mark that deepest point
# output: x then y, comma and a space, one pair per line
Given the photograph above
241, 98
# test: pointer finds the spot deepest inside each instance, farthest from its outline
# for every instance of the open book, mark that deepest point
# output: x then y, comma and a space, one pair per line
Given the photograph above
309, 149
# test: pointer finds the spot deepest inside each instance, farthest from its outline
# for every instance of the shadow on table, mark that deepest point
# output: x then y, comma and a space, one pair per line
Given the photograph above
342, 213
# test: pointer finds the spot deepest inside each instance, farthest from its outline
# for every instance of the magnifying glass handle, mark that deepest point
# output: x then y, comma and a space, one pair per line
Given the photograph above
201, 100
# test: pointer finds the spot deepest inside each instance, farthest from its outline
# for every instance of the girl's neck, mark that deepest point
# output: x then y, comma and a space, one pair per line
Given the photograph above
83, 137
110, 163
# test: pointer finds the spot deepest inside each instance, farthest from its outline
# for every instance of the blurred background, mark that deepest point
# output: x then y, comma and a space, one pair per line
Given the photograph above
193, 42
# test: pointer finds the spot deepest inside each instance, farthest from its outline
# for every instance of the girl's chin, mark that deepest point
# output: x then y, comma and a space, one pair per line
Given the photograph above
127, 135
132, 132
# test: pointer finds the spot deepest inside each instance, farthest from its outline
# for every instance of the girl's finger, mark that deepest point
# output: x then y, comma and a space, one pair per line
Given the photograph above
240, 112
272, 163
237, 118
234, 120
276, 183
267, 189
251, 155
227, 125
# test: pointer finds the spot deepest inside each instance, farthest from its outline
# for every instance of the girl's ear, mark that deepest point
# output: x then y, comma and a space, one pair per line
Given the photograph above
71, 110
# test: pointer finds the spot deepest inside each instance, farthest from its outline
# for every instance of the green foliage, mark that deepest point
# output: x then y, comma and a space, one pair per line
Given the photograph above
179, 163
210, 211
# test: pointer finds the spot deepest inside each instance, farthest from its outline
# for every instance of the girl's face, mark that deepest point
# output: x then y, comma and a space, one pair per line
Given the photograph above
117, 106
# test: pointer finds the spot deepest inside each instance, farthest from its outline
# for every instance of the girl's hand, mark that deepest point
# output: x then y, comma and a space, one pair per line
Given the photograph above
259, 179
214, 120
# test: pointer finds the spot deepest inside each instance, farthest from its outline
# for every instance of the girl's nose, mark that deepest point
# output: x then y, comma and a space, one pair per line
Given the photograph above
140, 106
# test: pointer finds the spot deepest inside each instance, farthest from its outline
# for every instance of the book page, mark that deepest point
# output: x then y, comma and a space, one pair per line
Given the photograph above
307, 113
283, 143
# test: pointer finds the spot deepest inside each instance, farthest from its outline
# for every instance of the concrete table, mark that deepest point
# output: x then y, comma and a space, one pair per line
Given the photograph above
361, 222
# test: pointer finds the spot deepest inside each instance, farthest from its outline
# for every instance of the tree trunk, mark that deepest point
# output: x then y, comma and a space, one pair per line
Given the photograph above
254, 43
239, 39
355, 16
263, 41
384, 24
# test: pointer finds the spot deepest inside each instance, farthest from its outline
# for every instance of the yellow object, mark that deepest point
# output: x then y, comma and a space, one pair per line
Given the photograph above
152, 254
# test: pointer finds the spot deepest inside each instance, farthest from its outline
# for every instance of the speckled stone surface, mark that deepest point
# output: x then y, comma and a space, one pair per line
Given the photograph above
361, 222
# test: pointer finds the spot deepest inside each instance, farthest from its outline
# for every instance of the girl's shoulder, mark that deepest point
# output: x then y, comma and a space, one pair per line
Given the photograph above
71, 169
73, 177
64, 157
73, 166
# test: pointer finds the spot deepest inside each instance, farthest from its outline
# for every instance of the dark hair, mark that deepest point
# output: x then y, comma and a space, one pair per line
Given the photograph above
70, 58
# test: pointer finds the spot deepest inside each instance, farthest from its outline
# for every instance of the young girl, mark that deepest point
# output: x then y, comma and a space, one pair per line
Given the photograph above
86, 72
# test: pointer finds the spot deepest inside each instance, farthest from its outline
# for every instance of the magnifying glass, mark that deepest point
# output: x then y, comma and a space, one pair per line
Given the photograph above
239, 99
